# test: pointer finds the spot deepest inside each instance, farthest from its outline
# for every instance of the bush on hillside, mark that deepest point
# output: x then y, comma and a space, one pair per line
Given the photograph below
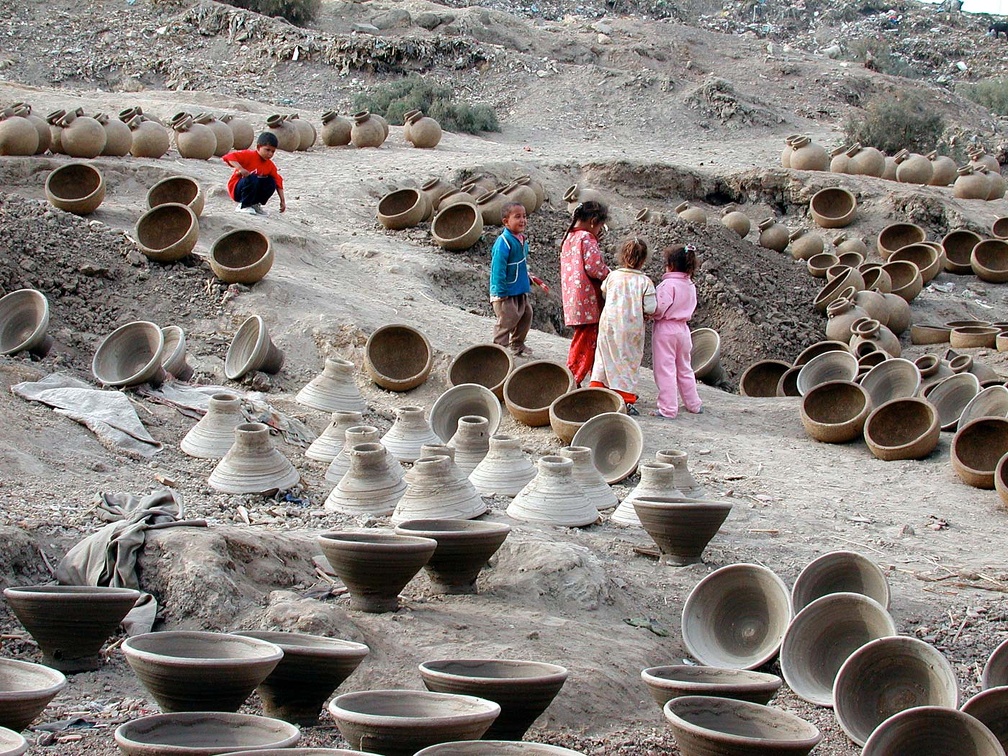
300, 12
894, 121
991, 93
393, 100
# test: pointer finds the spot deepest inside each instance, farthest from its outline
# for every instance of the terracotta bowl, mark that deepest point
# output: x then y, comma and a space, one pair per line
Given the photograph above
403, 208
25, 690
991, 708
736, 617
761, 378
252, 349
995, 671
928, 260
616, 441
678, 680
895, 378
977, 448
839, 572
202, 733
401, 722
833, 207
852, 260
167, 233
71, 623
827, 367
457, 227
242, 256
398, 357
463, 400
788, 383
927, 333
887, 676
951, 396
818, 264
178, 189
12, 743
867, 361
835, 412
875, 278
902, 429
130, 355
705, 356
569, 412
709, 726
533, 387
971, 337
173, 355
1001, 481
77, 188
495, 748
931, 730
989, 260
958, 245
820, 347
463, 549
312, 667
24, 320
896, 236
906, 278
680, 527
487, 365
836, 281
523, 689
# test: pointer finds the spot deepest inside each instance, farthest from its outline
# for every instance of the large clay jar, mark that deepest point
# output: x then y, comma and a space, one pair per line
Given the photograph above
335, 129
458, 197
865, 161
24, 110
369, 486
523, 194
691, 214
586, 475
875, 278
305, 131
458, 225
839, 162
222, 133
738, 222
785, 158
491, 205
804, 244
55, 131
536, 186
367, 131
943, 169
434, 490
471, 442
970, 185
242, 132
253, 465
194, 140
773, 235
808, 156
553, 497
505, 470
82, 136
872, 332
979, 157
214, 434
334, 389
976, 449
997, 185
408, 434
912, 168
286, 132
435, 189
424, 132
842, 313
150, 139
18, 135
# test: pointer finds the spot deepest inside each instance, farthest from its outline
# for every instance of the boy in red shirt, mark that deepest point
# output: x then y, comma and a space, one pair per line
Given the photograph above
255, 176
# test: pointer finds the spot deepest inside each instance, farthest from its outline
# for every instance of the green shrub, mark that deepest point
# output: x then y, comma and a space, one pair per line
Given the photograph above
894, 121
300, 12
876, 55
991, 93
395, 99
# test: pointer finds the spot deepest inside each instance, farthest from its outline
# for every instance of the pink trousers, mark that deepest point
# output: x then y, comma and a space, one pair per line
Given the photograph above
673, 372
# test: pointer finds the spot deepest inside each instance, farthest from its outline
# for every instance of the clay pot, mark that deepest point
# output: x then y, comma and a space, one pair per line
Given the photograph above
352, 436
335, 130
523, 689
370, 486
840, 572
773, 235
736, 617
691, 214
553, 497
657, 480
683, 480
912, 168
167, 233
536, 186
892, 379
887, 676
305, 131
471, 442
834, 207
819, 264
826, 367
70, 623
588, 477
838, 160
203, 733
242, 256
41, 126
835, 412
334, 389
286, 132
931, 729
214, 434
401, 722
999, 228
463, 550
738, 222
458, 225
491, 206
808, 156
989, 260
78, 188
681, 527
926, 333
253, 465
424, 132
173, 355
842, 313
252, 349
995, 182
902, 429
822, 636
571, 410
18, 135
785, 159
989, 708
398, 357
435, 189
26, 690
868, 332
928, 260
312, 667
459, 401
873, 304
899, 313
82, 136
705, 357
958, 246
617, 442
223, 136
523, 194
977, 448
679, 680
788, 384
187, 670
194, 140
150, 139
459, 196
836, 286
970, 337
130, 355
177, 189
970, 184
761, 378
804, 244
943, 169
867, 161
875, 278
483, 364
951, 396
906, 278
330, 441
505, 469
646, 215
896, 236
118, 137
820, 347
24, 322
403, 208
55, 131
980, 157
990, 402
241, 131
533, 387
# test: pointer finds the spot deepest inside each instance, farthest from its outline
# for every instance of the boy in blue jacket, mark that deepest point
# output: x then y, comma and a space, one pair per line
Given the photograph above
510, 282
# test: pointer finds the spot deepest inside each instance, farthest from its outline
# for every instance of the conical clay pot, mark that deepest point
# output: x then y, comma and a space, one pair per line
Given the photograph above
253, 465
505, 470
587, 476
130, 356
369, 486
252, 349
330, 442
436, 490
681, 527
334, 390
463, 550
471, 442
408, 434
683, 479
214, 435
554, 497
678, 680
657, 479
357, 434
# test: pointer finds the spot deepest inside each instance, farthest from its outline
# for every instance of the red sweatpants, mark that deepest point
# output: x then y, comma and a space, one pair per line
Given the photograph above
581, 356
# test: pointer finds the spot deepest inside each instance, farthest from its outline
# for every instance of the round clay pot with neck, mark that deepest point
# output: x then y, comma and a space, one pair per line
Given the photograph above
691, 214
424, 131
306, 132
773, 235
82, 136
842, 314
943, 169
738, 222
18, 135
804, 244
335, 129
912, 168
366, 131
288, 138
194, 140
970, 184
242, 133
221, 131
808, 156
150, 139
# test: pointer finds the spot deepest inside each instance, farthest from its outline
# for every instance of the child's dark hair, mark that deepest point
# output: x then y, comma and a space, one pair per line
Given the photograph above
509, 208
588, 211
633, 254
681, 258
267, 138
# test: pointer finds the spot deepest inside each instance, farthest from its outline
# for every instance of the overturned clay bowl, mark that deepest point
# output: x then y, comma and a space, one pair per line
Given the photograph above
736, 617
78, 188
71, 623
616, 441
495, 748
401, 722
989, 260
958, 245
572, 410
189, 670
711, 726
24, 320
130, 355
977, 448
465, 399
932, 730
678, 680
312, 667
833, 207
12, 743
487, 365
761, 378
835, 412
991, 708
178, 189
896, 236
463, 549
202, 733
533, 387
680, 527
167, 233
242, 256
398, 357
523, 689
457, 227
827, 367
25, 690
839, 572
902, 429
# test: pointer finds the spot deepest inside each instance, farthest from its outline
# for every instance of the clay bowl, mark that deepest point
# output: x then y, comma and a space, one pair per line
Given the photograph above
189, 670
1001, 481
958, 245
176, 189
299, 752
875, 279
896, 236
312, 667
990, 402
486, 365
616, 441
951, 396
788, 383
823, 635
12, 743
495, 748
906, 278
867, 361
927, 259
736, 617
403, 208
680, 527
130, 355
463, 549
457, 227
932, 730
70, 623
375, 565
887, 676
761, 378
705, 357
818, 264
829, 293
678, 680
852, 260
833, 207
572, 410
167, 233
991, 708
926, 333
203, 733
995, 671
401, 722
78, 188
826, 367
242, 256
820, 347
1002, 341
969, 337
839, 572
252, 349
24, 320
835, 412
533, 387
999, 228
989, 260
25, 690
522, 689
710, 726
902, 429
463, 400
398, 357
895, 378
977, 448
173, 355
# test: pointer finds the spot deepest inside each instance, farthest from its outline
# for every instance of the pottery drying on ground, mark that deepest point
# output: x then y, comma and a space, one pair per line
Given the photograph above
435, 189
839, 572
18, 135
194, 140
656, 479
902, 429
459, 223
617, 442
459, 401
837, 282
681, 527
995, 671
835, 412
553, 497
357, 434
906, 278
738, 222
773, 235
25, 690
486, 365
408, 434
150, 139
403, 208
398, 357
817, 265
820, 347
252, 349
950, 397
588, 477
833, 207
505, 470
202, 733
495, 748
896, 236
372, 485
929, 333
463, 550
173, 355
804, 245
130, 355
425, 132
78, 188
977, 448
70, 623
931, 729
335, 130
471, 442
81, 135
178, 190
678, 680
436, 489
989, 260
827, 367
331, 441
761, 378
24, 322
892, 379
253, 465
241, 256
214, 434
705, 357
927, 259
683, 479
375, 565
788, 384
989, 707
973, 337
167, 233
533, 387
12, 743
570, 411
868, 335
990, 402
958, 245
334, 389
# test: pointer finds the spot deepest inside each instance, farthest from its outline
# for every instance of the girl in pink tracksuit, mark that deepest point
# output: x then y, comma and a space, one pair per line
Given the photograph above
671, 343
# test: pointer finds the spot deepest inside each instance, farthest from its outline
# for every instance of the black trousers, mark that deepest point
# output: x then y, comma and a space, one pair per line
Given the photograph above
254, 189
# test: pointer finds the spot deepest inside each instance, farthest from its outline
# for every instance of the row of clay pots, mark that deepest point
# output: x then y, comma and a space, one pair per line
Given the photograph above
361, 130
961, 251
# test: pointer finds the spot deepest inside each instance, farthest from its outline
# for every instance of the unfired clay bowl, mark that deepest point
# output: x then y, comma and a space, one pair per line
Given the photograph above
495, 748
995, 671
616, 441
25, 690
839, 572
761, 378
835, 412
484, 364
533, 387
12, 743
572, 410
463, 549
902, 429
677, 680
991, 708
977, 448
202, 733
398, 357
681, 527
932, 730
